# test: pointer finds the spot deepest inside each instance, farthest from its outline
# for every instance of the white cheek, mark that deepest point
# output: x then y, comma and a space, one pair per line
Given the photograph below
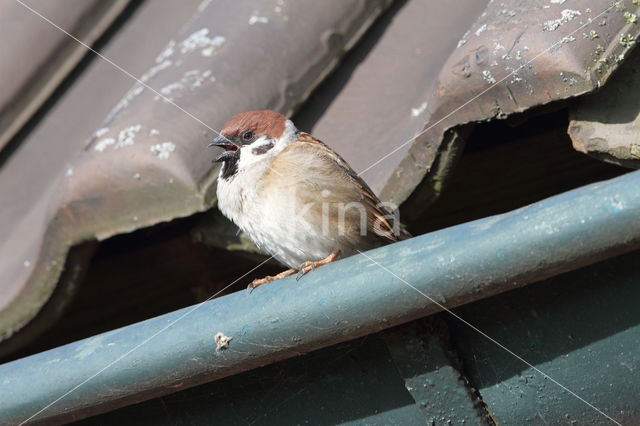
248, 158
252, 157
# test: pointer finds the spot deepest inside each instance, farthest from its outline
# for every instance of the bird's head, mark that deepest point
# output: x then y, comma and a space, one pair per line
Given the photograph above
251, 137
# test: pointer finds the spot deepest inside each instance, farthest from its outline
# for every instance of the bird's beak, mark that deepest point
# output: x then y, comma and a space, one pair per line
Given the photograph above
230, 148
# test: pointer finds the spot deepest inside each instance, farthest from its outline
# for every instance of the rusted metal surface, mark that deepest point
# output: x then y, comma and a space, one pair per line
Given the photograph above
607, 124
36, 57
518, 55
145, 163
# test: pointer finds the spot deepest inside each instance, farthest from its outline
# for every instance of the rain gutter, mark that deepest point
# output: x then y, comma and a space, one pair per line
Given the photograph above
338, 302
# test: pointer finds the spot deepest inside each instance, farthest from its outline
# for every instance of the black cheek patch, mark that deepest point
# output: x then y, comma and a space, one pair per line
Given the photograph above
229, 167
262, 149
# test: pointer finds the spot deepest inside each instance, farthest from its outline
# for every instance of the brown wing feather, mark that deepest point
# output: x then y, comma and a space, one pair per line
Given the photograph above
378, 217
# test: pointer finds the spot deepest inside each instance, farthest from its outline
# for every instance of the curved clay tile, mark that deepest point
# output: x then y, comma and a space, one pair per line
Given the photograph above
35, 57
148, 161
518, 55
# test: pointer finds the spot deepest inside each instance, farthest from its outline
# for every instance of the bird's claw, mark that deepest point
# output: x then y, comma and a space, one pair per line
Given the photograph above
309, 265
260, 281
304, 268
257, 283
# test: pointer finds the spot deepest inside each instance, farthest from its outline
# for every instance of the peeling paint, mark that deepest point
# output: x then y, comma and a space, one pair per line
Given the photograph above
190, 80
570, 80
203, 5
100, 132
615, 205
136, 90
254, 19
167, 52
591, 35
103, 144
154, 70
163, 150
162, 62
168, 89
222, 341
418, 111
566, 16
127, 136
200, 40
486, 75
463, 40
88, 347
630, 18
567, 39
627, 40
481, 29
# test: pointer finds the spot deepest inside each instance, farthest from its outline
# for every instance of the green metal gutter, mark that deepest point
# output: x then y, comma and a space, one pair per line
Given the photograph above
339, 302
403, 376
581, 328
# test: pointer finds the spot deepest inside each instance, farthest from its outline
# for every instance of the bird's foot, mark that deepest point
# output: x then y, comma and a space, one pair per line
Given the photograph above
310, 265
260, 281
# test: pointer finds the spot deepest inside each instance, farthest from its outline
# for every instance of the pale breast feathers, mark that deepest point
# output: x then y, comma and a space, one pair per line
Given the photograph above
307, 160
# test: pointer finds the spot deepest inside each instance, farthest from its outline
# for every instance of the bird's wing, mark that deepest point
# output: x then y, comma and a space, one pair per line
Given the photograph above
381, 221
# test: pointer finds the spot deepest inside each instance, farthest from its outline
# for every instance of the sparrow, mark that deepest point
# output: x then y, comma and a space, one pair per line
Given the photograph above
296, 198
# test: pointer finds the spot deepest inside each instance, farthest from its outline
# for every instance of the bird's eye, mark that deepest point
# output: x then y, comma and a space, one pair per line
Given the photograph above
248, 135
